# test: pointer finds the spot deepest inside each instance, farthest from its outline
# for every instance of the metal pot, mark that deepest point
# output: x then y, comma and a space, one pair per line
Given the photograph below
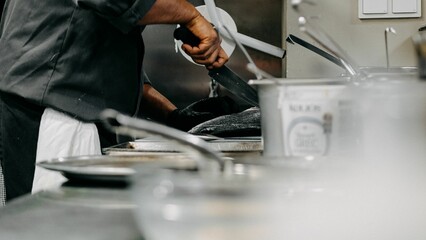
392, 111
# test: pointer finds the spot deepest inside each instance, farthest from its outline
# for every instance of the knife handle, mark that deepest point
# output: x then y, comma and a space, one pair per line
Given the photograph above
186, 36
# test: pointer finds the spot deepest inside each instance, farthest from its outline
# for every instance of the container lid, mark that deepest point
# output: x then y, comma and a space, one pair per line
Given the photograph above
300, 81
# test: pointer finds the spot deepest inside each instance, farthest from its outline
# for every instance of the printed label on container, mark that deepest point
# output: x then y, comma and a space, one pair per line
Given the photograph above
306, 137
309, 113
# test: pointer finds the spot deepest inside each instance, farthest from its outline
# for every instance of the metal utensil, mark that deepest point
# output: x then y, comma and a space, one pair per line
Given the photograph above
293, 39
324, 39
387, 30
129, 126
223, 75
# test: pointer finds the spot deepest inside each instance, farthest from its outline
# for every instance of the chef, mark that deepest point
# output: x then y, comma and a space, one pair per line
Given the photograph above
63, 62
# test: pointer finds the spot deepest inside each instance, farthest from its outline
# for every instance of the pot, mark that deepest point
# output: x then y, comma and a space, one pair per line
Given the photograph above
391, 108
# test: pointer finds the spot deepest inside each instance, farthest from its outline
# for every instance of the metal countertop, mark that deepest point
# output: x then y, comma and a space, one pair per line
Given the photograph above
71, 212
237, 146
91, 211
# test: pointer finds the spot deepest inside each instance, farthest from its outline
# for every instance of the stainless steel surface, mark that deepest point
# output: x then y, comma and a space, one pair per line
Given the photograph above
70, 213
129, 126
117, 168
183, 82
391, 73
236, 145
73, 211
376, 193
121, 168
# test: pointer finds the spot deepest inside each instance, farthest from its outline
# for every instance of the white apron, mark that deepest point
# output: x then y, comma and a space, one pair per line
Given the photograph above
2, 188
62, 136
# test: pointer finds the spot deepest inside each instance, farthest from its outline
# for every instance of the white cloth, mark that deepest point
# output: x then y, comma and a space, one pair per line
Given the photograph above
2, 189
62, 136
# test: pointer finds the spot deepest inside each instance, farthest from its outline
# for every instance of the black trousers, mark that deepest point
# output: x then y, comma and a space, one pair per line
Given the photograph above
19, 128
19, 124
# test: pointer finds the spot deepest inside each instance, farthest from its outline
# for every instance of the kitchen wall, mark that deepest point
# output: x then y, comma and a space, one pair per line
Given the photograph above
363, 40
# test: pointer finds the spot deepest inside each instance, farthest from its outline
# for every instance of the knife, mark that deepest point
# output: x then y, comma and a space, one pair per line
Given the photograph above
223, 75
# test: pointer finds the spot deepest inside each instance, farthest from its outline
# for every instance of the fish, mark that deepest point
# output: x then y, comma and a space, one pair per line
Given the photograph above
242, 124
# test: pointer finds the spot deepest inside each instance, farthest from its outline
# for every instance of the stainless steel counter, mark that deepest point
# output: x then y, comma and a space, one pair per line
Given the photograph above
71, 212
92, 211
230, 147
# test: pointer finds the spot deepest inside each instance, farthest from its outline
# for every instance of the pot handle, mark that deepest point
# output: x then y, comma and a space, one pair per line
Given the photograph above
207, 158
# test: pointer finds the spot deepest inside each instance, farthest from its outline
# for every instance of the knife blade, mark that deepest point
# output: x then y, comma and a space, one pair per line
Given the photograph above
223, 75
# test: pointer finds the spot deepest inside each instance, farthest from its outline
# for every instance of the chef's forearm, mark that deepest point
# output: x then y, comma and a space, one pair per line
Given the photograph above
155, 105
167, 11
208, 52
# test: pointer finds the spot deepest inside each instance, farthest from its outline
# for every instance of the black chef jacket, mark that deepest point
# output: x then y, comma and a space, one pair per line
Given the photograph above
76, 56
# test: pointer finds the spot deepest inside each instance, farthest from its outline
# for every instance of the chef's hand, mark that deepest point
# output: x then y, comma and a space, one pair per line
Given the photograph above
208, 52
201, 111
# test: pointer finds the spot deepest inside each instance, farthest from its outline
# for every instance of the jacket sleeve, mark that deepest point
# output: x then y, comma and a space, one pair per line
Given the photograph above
123, 14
